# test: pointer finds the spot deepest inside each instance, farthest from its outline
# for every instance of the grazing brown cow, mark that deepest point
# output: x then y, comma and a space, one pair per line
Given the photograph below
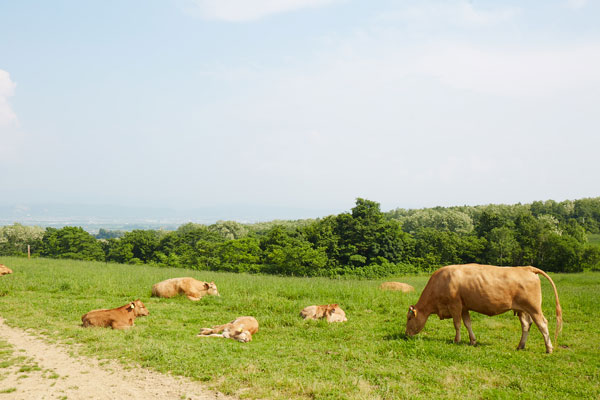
117, 318
4, 270
240, 329
403, 287
332, 312
454, 290
192, 288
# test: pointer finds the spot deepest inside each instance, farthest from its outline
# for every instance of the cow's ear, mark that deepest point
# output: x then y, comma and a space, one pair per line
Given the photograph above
132, 306
206, 285
413, 310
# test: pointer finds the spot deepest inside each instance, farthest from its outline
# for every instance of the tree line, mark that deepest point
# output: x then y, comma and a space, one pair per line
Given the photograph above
363, 242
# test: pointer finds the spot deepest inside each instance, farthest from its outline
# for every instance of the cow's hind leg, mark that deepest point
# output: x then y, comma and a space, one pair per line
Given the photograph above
467, 321
526, 322
542, 324
215, 329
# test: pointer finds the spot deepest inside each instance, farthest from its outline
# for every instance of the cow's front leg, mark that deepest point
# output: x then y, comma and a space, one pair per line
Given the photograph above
466, 317
455, 312
120, 325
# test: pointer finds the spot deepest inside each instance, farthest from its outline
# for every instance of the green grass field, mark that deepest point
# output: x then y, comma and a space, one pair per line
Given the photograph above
366, 358
594, 238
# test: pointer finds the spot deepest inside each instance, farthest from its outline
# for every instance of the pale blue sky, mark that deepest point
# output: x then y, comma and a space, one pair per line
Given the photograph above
298, 103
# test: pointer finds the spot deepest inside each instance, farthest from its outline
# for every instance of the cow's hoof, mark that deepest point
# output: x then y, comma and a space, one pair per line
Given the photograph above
549, 350
473, 343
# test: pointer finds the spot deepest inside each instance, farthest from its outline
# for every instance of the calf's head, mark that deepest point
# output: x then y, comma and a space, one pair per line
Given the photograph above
335, 314
211, 289
138, 308
239, 334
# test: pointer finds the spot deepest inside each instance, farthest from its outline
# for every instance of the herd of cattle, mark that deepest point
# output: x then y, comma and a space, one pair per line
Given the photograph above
451, 292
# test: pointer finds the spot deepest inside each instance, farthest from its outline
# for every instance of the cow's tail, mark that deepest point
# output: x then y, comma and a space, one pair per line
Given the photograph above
559, 320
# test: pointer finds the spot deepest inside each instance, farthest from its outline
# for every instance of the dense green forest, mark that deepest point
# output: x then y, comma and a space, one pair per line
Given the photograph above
363, 242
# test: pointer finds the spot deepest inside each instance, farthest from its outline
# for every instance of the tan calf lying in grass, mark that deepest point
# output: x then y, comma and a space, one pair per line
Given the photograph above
4, 270
403, 287
192, 288
240, 329
117, 318
332, 312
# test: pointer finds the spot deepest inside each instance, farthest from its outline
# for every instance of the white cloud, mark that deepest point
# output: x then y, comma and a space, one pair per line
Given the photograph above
436, 15
577, 3
246, 10
7, 89
519, 71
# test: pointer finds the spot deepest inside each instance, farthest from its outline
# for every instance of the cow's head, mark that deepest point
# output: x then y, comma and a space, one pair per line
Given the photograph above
239, 334
335, 314
138, 308
415, 321
211, 289
242, 335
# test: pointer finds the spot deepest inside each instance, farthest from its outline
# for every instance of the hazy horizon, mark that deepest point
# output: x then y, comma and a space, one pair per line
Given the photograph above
298, 104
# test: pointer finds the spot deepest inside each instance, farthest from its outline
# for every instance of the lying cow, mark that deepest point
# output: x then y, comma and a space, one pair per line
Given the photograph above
240, 329
4, 270
117, 318
192, 288
454, 290
403, 287
332, 312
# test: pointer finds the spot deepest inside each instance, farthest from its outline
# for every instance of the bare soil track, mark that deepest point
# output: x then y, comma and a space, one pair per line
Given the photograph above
47, 371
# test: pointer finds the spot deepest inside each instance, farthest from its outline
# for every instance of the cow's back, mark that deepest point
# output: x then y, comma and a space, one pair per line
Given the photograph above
100, 318
486, 289
247, 323
168, 288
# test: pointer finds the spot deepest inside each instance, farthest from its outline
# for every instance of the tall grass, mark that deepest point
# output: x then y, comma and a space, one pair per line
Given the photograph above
366, 358
594, 238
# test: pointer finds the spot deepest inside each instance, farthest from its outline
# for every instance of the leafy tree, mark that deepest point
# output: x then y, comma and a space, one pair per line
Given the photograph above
241, 255
561, 253
190, 246
291, 254
71, 242
108, 234
365, 232
587, 213
503, 247
143, 243
440, 219
229, 229
15, 238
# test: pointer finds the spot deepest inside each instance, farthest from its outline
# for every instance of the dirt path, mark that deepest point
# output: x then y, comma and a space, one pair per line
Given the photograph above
38, 370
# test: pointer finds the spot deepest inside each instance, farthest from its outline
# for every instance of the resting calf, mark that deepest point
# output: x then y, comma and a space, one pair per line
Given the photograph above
331, 312
240, 329
117, 318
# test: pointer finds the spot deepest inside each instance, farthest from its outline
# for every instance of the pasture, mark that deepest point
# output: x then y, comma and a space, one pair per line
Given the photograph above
367, 357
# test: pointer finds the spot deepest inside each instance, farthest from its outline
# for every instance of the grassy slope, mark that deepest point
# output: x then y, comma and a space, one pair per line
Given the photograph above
594, 238
367, 357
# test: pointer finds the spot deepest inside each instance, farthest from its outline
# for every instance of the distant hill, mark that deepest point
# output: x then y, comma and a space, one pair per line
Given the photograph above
94, 217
